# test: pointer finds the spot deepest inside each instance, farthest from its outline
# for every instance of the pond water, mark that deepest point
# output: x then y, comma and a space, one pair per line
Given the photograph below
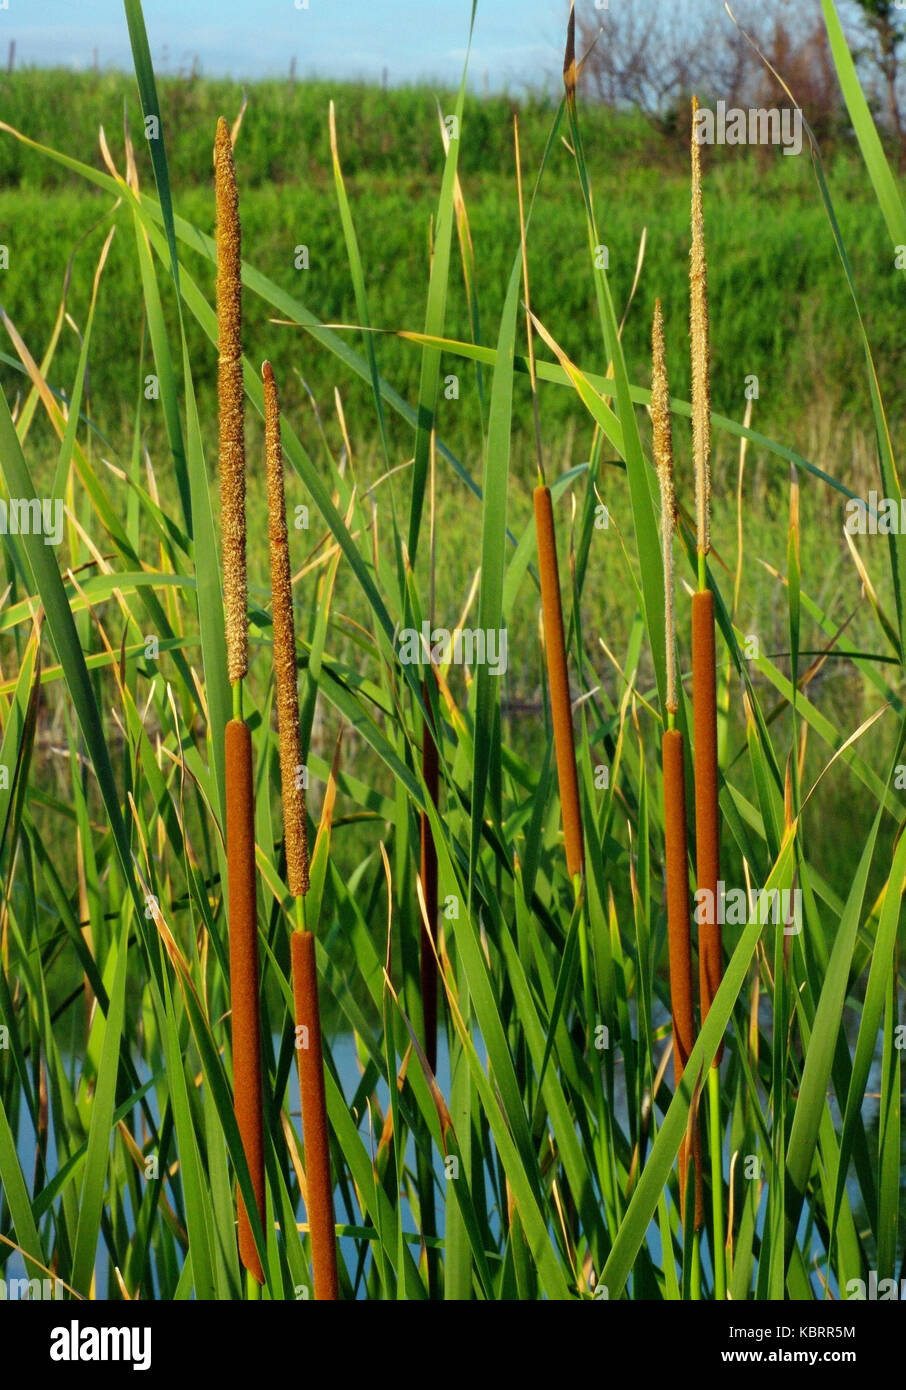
349, 1071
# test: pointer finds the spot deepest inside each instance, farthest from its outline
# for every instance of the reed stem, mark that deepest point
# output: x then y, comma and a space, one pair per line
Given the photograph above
428, 865
585, 960
717, 1203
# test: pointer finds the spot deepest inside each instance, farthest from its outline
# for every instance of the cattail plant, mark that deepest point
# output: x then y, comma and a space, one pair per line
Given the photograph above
704, 695
240, 803
552, 611
558, 680
704, 682
306, 1009
679, 935
551, 605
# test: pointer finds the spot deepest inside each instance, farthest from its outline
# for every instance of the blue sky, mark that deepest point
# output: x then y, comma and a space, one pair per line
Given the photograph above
516, 42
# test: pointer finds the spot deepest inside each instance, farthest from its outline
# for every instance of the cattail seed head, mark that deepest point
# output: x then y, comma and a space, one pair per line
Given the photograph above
700, 336
663, 458
231, 403
295, 828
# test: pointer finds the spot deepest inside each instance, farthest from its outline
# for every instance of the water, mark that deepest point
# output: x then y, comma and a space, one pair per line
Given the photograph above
348, 1067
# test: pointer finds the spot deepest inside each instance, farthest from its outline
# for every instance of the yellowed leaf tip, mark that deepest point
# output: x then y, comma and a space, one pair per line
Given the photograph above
569, 58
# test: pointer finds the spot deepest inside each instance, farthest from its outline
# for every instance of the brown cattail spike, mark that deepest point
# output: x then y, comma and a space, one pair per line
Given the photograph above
295, 827
678, 919
231, 404
676, 865
321, 1223
700, 335
680, 943
558, 678
707, 822
704, 686
246, 1022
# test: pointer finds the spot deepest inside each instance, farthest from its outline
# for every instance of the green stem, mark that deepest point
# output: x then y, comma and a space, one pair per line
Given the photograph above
702, 572
585, 960
717, 1186
605, 1135
237, 699
606, 1142
252, 1288
695, 1281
